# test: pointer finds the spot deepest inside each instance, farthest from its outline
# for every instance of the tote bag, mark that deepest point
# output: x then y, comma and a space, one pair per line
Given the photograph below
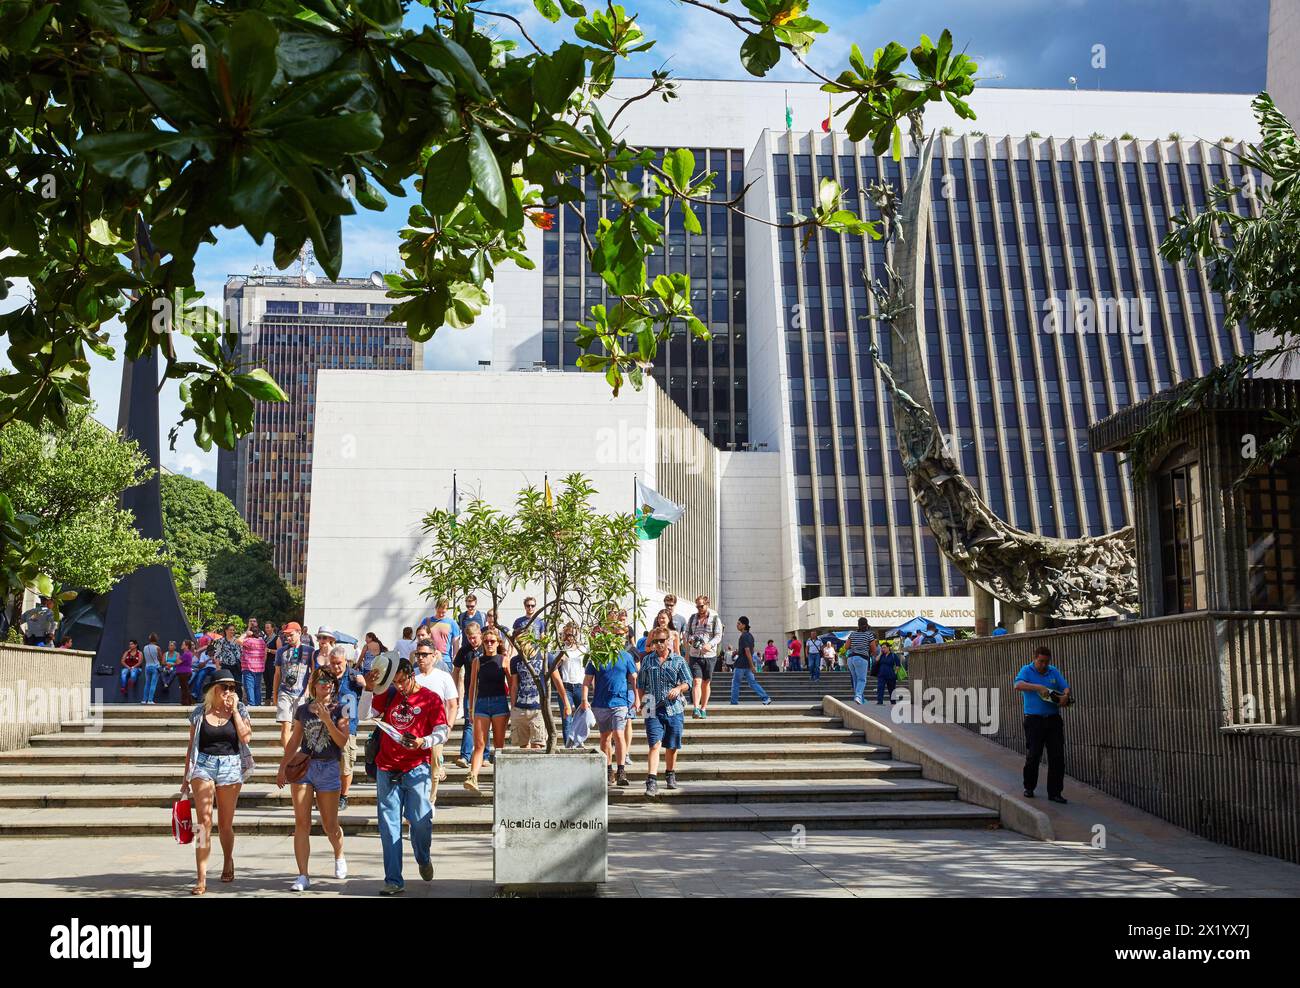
182, 820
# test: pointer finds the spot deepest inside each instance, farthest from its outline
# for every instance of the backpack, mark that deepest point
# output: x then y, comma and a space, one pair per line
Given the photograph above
372, 748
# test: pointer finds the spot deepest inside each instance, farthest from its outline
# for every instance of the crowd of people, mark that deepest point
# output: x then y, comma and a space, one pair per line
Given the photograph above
468, 667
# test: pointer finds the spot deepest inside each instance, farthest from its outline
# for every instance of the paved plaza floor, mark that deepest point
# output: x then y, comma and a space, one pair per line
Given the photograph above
843, 864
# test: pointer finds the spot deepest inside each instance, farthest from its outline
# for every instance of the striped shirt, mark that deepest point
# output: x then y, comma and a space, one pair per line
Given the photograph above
860, 643
657, 678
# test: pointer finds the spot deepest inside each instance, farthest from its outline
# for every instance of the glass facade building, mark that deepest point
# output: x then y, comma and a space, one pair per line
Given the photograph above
1047, 307
292, 329
706, 378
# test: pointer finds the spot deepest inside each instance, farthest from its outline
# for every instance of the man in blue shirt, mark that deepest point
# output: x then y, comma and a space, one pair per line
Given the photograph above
1045, 692
472, 613
529, 617
612, 704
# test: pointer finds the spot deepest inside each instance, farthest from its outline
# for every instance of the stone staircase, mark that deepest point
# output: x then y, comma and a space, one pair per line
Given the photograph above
747, 767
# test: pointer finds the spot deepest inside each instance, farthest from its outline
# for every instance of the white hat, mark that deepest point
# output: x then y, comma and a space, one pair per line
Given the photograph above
325, 632
385, 669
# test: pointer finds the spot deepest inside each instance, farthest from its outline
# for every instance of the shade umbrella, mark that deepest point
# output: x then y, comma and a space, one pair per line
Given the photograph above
920, 624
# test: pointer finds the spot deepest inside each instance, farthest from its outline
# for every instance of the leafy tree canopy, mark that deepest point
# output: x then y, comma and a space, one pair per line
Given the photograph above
573, 558
1252, 260
245, 582
67, 479
198, 523
135, 130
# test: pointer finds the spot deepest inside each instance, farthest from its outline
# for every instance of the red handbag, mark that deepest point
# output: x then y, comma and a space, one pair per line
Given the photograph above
182, 820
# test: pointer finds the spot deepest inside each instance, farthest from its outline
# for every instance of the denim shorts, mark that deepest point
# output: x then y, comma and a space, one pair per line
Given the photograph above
221, 770
323, 775
665, 729
611, 719
491, 706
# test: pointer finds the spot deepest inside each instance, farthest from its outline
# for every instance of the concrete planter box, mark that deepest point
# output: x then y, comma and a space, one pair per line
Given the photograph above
550, 821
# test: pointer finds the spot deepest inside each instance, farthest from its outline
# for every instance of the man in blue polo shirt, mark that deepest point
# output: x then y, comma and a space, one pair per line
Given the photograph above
1045, 692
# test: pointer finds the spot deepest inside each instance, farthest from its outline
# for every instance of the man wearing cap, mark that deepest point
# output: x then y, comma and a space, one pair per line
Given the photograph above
403, 770
293, 665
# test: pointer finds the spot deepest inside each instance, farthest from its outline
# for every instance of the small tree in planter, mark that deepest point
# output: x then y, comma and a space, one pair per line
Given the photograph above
573, 558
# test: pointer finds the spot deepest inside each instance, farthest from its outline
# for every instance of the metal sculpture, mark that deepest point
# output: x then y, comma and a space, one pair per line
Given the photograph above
1091, 577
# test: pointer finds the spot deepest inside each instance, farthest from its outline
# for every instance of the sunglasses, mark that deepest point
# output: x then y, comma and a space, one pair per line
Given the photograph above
421, 655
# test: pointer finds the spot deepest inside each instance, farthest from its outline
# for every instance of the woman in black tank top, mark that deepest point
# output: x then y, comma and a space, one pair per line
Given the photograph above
214, 771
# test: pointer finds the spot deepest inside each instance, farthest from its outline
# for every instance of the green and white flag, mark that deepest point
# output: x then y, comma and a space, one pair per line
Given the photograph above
654, 512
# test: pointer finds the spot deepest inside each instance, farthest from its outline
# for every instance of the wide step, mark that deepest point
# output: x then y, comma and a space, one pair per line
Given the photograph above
663, 814
784, 766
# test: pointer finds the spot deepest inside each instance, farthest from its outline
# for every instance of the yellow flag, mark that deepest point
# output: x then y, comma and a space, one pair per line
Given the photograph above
550, 498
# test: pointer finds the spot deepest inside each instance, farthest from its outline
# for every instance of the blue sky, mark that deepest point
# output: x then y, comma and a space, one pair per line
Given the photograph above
1181, 45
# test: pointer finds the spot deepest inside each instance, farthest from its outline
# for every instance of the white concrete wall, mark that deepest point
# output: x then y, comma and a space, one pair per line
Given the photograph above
387, 443
516, 312
769, 390
733, 113
755, 569
1284, 57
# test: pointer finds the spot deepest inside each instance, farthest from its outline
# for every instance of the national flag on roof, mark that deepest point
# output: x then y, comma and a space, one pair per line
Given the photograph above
654, 512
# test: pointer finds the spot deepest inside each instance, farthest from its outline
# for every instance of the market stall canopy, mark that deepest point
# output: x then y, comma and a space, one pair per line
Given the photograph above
922, 625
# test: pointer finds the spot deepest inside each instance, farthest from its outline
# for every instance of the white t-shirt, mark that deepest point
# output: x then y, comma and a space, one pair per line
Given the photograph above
573, 667
405, 646
442, 684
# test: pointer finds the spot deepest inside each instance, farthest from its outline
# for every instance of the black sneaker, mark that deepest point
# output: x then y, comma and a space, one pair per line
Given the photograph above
652, 787
620, 777
670, 780
1057, 799
1029, 794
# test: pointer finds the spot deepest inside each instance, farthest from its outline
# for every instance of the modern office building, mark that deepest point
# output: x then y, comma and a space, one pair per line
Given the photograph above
1047, 308
293, 329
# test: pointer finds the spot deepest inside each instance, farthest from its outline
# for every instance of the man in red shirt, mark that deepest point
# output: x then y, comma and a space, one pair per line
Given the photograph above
416, 716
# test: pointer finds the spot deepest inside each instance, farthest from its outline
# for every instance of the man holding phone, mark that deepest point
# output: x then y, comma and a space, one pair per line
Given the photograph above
1045, 692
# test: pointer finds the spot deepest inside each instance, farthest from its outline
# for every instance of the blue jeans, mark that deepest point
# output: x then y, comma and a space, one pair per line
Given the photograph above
252, 688
151, 677
467, 733
574, 692
745, 675
814, 667
859, 670
196, 683
399, 794
128, 678
794, 663
885, 688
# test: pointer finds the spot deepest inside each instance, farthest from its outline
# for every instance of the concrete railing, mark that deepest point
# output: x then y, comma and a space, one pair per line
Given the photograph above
40, 688
1192, 717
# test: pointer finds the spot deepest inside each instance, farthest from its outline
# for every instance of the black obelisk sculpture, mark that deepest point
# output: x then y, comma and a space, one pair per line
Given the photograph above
145, 601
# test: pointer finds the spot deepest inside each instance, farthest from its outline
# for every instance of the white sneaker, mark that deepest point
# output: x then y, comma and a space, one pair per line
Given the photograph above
340, 868
300, 884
